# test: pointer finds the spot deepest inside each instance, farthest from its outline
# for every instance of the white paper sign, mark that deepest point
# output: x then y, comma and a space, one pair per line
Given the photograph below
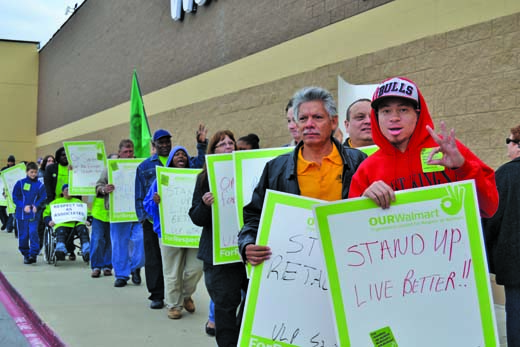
175, 187
121, 173
225, 226
288, 302
10, 177
88, 160
69, 212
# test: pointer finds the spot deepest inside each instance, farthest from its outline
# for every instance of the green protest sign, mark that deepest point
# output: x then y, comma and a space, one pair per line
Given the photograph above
175, 187
288, 298
3, 192
413, 274
121, 173
221, 176
10, 176
249, 166
88, 160
368, 150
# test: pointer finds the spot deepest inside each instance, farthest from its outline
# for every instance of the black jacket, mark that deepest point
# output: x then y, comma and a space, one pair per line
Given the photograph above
280, 174
502, 231
200, 215
50, 180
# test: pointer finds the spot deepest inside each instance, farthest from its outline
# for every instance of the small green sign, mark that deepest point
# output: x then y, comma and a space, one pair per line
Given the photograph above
383, 338
165, 180
27, 186
425, 153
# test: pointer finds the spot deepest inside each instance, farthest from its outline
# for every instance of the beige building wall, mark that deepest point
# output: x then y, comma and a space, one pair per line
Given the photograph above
18, 99
464, 55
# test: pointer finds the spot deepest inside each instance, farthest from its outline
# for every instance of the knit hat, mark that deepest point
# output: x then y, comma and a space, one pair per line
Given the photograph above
11, 159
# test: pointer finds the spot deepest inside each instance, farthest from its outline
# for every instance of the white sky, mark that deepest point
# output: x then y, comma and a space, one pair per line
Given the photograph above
33, 20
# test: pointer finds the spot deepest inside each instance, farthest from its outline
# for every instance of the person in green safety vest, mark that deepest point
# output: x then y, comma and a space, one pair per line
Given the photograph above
64, 230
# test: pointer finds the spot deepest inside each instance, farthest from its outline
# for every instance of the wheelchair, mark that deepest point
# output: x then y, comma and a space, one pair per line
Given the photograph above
49, 245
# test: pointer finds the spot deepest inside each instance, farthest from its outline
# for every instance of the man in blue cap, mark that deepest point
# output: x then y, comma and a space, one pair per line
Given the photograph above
145, 175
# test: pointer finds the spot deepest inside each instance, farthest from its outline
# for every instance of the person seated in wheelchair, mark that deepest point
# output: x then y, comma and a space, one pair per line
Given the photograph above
65, 231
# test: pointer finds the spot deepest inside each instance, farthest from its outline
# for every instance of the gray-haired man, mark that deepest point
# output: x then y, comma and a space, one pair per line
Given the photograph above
319, 167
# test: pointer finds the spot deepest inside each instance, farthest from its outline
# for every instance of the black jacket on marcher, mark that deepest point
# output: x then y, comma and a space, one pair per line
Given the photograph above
280, 174
502, 231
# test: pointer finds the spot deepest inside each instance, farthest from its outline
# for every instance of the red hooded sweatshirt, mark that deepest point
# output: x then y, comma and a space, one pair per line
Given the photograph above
404, 170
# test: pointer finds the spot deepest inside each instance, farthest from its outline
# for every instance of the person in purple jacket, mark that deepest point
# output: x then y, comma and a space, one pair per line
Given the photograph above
29, 195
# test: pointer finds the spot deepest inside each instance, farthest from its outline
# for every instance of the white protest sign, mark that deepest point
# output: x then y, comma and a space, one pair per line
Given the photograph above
3, 193
288, 301
69, 212
88, 160
221, 176
249, 166
411, 275
10, 177
121, 173
175, 187
347, 94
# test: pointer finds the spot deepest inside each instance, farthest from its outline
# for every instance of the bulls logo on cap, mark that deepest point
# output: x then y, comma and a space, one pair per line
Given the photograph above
396, 88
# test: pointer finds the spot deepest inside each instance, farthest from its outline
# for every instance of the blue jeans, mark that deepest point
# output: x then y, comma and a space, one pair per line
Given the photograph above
513, 315
100, 245
28, 240
127, 248
211, 316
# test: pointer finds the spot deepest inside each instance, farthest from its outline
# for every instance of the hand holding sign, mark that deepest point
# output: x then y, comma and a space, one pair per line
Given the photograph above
256, 255
381, 193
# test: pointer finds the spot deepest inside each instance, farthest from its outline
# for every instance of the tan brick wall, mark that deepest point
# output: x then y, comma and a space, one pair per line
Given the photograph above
88, 64
469, 77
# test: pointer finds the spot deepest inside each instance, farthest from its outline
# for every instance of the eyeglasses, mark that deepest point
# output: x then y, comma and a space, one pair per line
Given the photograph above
508, 141
223, 144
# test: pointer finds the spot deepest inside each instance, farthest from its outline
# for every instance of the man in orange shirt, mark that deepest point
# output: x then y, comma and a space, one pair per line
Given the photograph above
319, 167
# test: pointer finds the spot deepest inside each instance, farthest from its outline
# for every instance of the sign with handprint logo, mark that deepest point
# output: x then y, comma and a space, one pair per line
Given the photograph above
452, 204
418, 266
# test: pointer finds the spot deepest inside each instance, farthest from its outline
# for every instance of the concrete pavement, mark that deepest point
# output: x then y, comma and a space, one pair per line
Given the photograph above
84, 311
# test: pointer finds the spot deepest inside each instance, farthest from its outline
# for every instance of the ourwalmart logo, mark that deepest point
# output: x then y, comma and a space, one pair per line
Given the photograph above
452, 203
407, 217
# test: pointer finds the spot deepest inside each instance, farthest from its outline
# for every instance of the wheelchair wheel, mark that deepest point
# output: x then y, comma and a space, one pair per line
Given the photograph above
49, 244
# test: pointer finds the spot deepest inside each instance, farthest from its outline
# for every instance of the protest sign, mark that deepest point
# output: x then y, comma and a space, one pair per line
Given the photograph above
175, 187
3, 193
88, 160
411, 275
10, 177
121, 173
69, 212
223, 210
368, 150
288, 301
249, 166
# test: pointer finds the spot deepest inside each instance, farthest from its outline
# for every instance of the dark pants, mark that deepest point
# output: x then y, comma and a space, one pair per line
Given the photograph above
513, 315
66, 235
225, 284
10, 223
153, 262
3, 215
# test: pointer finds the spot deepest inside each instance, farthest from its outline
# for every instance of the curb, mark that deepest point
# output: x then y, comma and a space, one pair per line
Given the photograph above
30, 324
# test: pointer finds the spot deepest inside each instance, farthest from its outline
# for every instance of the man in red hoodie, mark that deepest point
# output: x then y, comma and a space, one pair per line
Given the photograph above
409, 151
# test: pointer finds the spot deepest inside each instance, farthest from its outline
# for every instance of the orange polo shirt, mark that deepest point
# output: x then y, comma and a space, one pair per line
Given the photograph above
321, 181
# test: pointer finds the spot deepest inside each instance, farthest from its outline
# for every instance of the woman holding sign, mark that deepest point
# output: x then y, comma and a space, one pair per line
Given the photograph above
181, 268
225, 282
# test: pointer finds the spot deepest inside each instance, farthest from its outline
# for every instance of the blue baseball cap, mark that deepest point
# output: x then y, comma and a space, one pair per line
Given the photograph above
65, 186
161, 133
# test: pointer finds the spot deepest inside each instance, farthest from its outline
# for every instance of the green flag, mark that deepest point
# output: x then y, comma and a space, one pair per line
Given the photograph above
139, 129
